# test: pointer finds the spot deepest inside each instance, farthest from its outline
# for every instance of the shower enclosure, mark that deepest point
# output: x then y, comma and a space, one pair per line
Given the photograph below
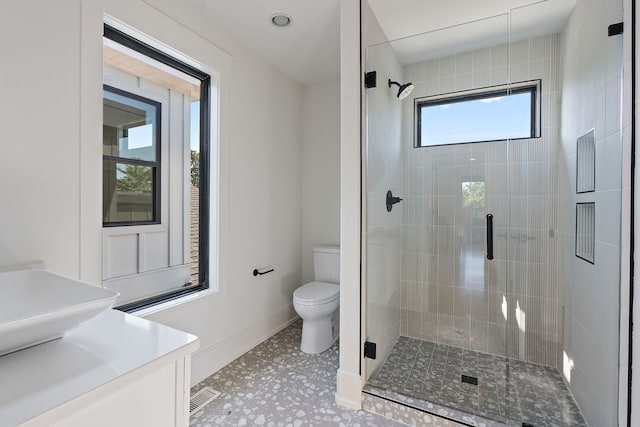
483, 282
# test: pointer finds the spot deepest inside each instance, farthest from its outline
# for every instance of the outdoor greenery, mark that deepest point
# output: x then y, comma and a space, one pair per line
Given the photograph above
139, 179
195, 168
473, 194
136, 179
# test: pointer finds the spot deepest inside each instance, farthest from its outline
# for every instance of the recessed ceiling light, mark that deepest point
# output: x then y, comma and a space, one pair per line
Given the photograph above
281, 20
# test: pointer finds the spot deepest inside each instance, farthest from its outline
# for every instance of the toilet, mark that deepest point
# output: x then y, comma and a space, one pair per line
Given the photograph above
317, 302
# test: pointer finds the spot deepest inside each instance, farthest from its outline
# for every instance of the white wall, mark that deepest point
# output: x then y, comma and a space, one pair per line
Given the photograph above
39, 164
320, 170
51, 163
349, 379
591, 98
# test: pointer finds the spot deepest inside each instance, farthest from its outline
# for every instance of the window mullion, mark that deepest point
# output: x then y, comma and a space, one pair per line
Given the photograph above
138, 162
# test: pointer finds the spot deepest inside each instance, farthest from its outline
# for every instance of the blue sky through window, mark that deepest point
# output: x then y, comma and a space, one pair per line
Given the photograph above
488, 119
140, 136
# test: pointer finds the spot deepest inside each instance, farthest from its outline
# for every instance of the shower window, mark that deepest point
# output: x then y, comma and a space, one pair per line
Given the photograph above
490, 114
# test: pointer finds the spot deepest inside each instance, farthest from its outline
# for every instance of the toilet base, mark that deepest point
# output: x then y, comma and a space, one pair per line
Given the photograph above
317, 335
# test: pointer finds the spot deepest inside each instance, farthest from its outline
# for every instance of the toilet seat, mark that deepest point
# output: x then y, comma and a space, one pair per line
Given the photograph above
316, 293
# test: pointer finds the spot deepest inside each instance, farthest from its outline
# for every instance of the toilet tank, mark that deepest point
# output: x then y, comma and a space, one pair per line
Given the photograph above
326, 264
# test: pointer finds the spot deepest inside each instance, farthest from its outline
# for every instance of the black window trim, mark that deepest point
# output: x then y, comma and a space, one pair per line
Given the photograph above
124, 39
530, 86
155, 165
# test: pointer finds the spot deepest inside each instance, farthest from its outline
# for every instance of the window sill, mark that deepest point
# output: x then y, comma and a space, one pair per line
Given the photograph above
166, 305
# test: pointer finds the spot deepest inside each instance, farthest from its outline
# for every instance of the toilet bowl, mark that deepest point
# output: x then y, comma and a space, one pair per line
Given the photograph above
316, 302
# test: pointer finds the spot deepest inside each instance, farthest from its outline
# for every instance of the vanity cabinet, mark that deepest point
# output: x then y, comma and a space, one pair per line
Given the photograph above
113, 370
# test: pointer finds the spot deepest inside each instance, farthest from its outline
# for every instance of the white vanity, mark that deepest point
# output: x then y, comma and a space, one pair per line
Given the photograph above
112, 370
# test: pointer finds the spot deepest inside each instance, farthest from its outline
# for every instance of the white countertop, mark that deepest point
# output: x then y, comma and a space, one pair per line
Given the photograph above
40, 378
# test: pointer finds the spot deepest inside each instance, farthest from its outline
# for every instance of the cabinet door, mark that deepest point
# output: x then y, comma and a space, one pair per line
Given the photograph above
150, 401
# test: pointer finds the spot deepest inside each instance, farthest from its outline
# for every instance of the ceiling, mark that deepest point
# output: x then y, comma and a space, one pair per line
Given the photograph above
308, 51
426, 29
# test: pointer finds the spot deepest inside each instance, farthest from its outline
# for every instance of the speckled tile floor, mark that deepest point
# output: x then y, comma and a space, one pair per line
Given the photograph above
533, 394
275, 384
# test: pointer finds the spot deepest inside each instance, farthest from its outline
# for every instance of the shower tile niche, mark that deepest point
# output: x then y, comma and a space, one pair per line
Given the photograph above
586, 163
585, 231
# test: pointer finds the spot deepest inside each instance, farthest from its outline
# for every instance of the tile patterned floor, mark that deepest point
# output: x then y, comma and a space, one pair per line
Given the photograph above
533, 394
275, 384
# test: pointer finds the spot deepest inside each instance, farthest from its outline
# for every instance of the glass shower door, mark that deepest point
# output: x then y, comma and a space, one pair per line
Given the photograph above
434, 301
513, 338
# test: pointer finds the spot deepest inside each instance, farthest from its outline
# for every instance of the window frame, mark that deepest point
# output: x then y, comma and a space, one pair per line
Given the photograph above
143, 48
156, 165
531, 86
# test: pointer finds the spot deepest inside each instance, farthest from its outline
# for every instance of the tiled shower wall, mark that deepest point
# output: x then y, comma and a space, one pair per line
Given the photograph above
591, 98
450, 293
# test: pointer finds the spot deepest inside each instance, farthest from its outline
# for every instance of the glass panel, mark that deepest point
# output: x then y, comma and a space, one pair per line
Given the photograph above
127, 192
130, 126
561, 315
434, 300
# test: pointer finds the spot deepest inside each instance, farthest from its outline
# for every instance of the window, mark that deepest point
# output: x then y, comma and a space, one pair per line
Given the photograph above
131, 159
490, 114
156, 173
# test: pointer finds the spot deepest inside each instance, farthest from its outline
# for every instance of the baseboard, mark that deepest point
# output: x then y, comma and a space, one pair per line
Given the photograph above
209, 360
349, 390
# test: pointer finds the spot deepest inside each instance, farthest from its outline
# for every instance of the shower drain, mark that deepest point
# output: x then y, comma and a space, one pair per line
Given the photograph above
202, 398
469, 380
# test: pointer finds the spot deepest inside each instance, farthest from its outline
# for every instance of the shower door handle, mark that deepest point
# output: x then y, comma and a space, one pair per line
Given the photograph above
489, 236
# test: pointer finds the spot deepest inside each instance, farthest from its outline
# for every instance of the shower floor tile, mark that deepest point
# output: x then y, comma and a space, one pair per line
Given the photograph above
506, 389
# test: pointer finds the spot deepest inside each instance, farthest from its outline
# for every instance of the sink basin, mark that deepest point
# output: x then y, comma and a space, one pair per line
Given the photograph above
38, 306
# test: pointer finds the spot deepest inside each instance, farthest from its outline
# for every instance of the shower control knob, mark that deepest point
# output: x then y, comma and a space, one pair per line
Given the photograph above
392, 200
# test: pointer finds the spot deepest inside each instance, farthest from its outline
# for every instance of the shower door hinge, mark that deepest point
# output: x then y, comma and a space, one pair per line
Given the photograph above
369, 350
615, 29
370, 79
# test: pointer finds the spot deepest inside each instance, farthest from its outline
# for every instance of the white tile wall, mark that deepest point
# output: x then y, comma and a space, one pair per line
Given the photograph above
447, 301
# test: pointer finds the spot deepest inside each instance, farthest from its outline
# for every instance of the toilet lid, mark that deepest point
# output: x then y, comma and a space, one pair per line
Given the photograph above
315, 293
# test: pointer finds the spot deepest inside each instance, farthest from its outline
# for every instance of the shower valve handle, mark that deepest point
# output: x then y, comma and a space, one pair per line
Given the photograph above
391, 200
